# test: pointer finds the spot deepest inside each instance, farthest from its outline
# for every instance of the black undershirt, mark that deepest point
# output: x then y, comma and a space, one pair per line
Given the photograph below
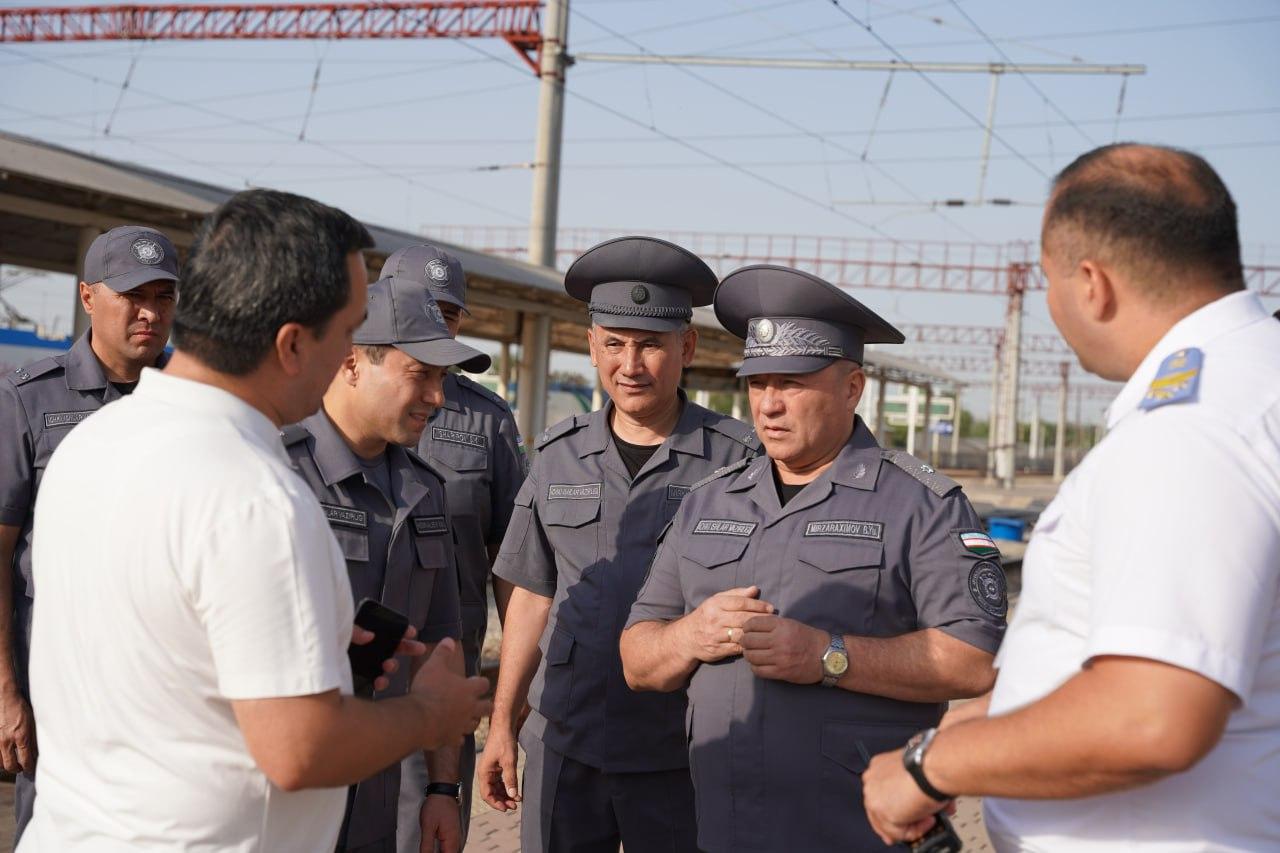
786, 491
125, 388
634, 456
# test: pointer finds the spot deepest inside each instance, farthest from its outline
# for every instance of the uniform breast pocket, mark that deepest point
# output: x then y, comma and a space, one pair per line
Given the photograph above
460, 457
354, 543
846, 748
431, 557
708, 553
552, 700
573, 528
837, 583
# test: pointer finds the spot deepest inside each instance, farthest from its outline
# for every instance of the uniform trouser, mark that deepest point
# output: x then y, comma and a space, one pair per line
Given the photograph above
24, 803
413, 782
571, 807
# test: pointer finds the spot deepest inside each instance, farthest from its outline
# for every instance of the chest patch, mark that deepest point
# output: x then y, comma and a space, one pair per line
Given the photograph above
573, 492
466, 439
724, 527
345, 516
873, 530
1176, 380
677, 492
63, 419
429, 525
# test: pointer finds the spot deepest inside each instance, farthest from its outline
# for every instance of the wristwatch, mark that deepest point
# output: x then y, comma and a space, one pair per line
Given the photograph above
913, 760
835, 661
453, 790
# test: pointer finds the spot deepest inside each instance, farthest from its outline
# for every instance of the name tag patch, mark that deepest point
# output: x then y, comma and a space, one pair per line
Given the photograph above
573, 492
466, 439
61, 419
346, 516
676, 492
725, 527
429, 525
873, 530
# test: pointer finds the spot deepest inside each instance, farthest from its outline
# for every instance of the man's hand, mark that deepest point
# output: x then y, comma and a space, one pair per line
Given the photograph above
441, 821
408, 646
897, 808
455, 704
784, 649
715, 628
496, 770
17, 733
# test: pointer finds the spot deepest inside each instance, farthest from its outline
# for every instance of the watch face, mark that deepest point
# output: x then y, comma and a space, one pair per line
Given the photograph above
835, 663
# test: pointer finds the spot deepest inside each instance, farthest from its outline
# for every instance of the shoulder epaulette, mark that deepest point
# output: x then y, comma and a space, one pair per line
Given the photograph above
722, 472
483, 390
939, 484
26, 373
294, 433
735, 429
556, 431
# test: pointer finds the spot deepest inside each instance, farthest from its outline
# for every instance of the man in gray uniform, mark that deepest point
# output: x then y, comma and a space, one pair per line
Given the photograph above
128, 292
472, 442
387, 509
604, 765
821, 603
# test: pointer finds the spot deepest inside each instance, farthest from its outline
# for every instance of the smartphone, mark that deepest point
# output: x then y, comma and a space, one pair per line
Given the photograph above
388, 627
941, 838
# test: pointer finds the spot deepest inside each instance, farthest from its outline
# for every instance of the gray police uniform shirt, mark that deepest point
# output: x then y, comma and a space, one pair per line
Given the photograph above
39, 405
399, 551
473, 443
583, 533
873, 547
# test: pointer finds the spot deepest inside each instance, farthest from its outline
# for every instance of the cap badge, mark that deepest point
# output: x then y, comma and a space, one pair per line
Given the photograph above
639, 294
147, 251
764, 330
436, 314
437, 271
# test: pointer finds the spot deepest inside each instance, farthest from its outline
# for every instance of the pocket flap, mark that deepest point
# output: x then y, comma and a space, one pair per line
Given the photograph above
431, 552
354, 543
837, 555
559, 647
459, 457
570, 513
712, 551
851, 745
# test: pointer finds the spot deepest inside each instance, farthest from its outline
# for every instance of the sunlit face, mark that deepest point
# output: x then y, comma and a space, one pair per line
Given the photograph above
320, 361
640, 370
804, 419
397, 396
134, 324
452, 317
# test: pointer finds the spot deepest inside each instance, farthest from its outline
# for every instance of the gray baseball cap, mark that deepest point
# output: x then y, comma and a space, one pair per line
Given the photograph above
431, 267
403, 314
130, 256
640, 283
794, 322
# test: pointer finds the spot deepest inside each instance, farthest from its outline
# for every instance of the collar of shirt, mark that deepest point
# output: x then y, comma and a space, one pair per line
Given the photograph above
1220, 317
452, 393
336, 460
84, 372
212, 403
686, 437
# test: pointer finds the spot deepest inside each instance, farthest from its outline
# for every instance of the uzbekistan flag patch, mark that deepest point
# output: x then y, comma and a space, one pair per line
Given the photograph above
979, 543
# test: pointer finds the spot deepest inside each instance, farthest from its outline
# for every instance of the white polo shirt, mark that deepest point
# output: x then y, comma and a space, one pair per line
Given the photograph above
180, 564
1165, 544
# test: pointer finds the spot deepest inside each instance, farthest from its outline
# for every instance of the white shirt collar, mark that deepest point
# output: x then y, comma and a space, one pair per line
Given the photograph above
204, 399
1224, 315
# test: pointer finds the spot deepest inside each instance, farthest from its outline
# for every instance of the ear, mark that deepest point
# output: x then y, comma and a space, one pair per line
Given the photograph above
591, 345
86, 297
1096, 294
856, 384
689, 345
349, 371
291, 344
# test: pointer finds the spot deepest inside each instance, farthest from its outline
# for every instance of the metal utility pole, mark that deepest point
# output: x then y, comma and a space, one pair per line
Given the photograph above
881, 385
1007, 447
546, 165
955, 428
986, 136
1035, 429
993, 419
1060, 437
933, 438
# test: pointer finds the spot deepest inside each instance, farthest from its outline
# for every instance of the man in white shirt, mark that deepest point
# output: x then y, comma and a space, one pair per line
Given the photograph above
189, 659
1137, 705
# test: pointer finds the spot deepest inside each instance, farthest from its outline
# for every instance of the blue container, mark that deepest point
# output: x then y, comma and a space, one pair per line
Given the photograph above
1006, 528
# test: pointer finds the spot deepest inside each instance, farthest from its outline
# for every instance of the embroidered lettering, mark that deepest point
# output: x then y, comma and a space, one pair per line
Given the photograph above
61, 419
428, 525
847, 529
676, 492
346, 516
725, 527
453, 436
573, 492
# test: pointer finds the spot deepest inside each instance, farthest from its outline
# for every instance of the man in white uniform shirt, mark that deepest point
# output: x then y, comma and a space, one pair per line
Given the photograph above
189, 659
1137, 705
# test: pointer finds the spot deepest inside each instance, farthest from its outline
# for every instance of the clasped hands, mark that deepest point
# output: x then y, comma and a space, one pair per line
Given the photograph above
737, 622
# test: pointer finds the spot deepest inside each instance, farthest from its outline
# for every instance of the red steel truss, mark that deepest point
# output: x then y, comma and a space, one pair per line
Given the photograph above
518, 22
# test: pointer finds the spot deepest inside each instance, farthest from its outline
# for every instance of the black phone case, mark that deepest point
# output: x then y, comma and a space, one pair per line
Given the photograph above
388, 627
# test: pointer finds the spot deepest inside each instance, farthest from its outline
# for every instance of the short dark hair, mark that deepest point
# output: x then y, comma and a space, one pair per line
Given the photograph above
263, 259
1160, 212
375, 353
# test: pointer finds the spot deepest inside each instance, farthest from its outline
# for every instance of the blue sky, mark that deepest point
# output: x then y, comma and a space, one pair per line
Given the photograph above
415, 134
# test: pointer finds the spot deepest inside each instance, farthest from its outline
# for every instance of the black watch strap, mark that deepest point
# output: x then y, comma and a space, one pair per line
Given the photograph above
453, 790
913, 761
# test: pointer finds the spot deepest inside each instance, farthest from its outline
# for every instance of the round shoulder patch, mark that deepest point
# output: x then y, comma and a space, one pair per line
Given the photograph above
988, 588
147, 251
